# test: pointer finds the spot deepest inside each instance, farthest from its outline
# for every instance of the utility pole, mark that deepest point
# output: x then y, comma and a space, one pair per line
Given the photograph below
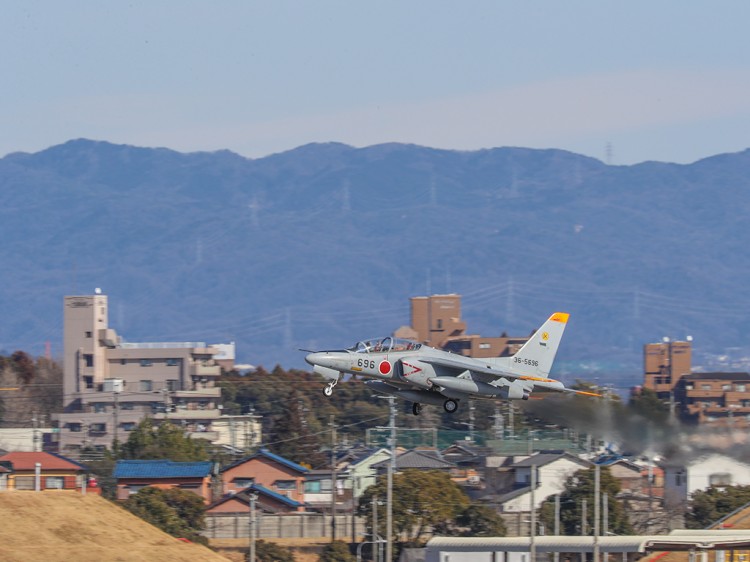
116, 416
333, 478
605, 521
557, 524
584, 526
471, 421
253, 531
35, 436
375, 535
597, 520
391, 470
532, 532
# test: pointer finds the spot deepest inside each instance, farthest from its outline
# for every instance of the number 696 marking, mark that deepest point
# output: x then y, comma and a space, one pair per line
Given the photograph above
366, 363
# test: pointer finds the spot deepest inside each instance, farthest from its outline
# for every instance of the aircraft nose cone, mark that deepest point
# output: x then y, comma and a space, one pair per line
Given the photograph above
312, 357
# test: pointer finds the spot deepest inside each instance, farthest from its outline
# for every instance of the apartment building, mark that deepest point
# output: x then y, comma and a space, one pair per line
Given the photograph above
704, 398
664, 364
436, 321
110, 385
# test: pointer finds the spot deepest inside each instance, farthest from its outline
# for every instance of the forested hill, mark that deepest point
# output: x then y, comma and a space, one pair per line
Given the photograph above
324, 244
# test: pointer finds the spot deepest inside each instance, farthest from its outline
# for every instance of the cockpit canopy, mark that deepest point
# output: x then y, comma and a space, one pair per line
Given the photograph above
384, 345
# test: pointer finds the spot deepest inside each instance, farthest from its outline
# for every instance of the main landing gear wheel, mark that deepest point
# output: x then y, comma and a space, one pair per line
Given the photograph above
450, 406
416, 408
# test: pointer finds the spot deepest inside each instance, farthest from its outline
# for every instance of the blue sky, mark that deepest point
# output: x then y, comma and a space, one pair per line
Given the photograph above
666, 80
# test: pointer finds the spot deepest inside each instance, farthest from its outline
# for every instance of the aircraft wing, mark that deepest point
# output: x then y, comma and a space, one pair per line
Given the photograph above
490, 374
460, 366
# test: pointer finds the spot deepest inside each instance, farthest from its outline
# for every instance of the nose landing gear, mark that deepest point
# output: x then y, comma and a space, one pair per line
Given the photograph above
328, 390
416, 408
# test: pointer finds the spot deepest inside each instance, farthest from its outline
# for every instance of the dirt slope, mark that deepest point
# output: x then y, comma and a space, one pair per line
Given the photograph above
54, 526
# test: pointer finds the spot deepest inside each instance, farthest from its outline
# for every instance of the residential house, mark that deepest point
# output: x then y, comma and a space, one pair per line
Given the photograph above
271, 471
552, 470
683, 477
266, 501
417, 459
355, 472
5, 470
43, 471
134, 475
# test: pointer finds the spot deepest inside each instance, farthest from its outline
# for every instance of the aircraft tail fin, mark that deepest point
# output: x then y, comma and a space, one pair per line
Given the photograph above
537, 355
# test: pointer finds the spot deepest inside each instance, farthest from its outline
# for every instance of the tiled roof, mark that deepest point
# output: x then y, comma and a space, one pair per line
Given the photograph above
261, 490
545, 458
271, 494
271, 456
162, 469
418, 459
27, 460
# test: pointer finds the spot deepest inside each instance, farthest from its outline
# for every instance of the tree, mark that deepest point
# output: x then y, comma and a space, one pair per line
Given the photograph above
337, 551
163, 441
578, 487
708, 506
177, 512
481, 521
271, 552
293, 436
421, 499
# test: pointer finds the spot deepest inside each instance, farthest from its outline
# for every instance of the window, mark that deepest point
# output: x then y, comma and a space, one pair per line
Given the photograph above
726, 387
123, 362
146, 363
286, 485
98, 428
145, 386
88, 381
88, 334
678, 479
243, 482
312, 487
74, 427
54, 482
127, 406
128, 426
440, 324
484, 346
173, 385
173, 362
740, 387
705, 387
99, 407
89, 359
720, 479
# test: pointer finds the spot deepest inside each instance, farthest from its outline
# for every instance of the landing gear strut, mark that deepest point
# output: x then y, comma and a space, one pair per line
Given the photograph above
450, 406
416, 408
328, 390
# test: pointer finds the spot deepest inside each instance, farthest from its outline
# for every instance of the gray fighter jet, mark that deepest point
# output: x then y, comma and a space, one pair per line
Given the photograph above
425, 375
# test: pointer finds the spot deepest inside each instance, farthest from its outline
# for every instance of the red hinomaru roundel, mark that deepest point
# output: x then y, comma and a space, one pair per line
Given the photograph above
384, 367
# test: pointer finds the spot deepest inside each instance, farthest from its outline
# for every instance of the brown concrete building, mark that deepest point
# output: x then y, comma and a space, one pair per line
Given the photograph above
705, 398
436, 321
664, 364
715, 398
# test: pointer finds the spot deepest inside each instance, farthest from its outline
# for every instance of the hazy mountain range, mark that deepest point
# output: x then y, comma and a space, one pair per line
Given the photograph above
324, 244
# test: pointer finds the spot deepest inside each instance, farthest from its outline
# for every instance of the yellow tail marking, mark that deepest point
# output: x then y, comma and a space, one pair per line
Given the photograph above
560, 317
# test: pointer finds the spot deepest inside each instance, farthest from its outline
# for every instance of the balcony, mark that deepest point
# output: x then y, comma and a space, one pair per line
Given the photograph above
211, 392
205, 370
